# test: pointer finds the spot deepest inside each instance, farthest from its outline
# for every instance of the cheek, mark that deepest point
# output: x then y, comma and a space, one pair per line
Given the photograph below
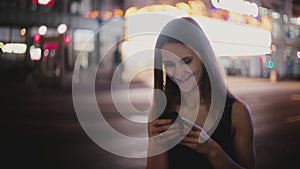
169, 71
198, 72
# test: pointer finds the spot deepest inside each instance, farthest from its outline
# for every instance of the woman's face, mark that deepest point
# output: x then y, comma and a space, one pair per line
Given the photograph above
182, 65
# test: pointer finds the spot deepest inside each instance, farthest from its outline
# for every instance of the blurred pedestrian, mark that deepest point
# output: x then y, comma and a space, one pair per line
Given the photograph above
184, 67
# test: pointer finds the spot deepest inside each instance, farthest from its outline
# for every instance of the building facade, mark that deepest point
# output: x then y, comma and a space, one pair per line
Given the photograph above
23, 37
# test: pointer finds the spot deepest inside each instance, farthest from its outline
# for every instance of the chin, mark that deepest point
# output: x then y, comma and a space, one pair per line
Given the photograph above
186, 88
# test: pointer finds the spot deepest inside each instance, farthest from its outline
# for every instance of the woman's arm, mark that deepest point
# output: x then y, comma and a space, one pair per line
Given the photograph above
243, 142
243, 137
158, 161
243, 133
163, 130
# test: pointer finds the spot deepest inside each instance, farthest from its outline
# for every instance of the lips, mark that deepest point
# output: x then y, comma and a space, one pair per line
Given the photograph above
183, 79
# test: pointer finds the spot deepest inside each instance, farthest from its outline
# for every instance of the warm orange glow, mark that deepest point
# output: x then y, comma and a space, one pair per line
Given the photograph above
157, 8
92, 14
183, 6
23, 31
198, 8
106, 15
130, 11
219, 14
273, 47
118, 12
266, 23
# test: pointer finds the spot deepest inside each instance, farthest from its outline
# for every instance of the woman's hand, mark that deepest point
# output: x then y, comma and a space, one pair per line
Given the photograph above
197, 139
165, 130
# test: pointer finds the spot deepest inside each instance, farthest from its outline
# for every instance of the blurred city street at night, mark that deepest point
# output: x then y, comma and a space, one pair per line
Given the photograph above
41, 129
49, 49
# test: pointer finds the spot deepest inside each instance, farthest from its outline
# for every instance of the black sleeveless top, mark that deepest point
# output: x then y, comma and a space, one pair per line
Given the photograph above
182, 157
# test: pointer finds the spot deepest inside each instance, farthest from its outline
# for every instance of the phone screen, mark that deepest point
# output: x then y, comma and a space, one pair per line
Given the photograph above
169, 115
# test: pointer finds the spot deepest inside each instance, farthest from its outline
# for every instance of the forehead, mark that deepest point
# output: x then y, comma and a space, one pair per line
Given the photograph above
176, 50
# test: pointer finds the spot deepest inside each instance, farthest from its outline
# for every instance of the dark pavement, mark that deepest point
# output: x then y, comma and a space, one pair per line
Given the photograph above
40, 129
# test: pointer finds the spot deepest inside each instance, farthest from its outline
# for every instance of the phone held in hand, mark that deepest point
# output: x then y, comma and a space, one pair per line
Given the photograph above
169, 115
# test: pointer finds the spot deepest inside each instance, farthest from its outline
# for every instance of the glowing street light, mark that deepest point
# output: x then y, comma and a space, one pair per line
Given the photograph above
62, 28
42, 30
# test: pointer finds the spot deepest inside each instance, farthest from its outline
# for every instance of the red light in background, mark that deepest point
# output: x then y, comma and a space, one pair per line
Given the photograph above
260, 58
37, 38
48, 3
51, 46
67, 39
35, 2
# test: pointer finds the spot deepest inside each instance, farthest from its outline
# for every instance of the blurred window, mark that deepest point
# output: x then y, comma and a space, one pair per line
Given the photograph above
16, 35
4, 34
84, 40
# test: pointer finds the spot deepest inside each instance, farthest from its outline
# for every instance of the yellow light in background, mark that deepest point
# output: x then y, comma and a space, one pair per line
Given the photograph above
18, 48
106, 15
118, 12
23, 31
273, 47
94, 14
1, 45
248, 40
130, 11
183, 6
197, 8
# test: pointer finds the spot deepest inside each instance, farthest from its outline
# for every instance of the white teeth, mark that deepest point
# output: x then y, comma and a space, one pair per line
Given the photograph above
181, 80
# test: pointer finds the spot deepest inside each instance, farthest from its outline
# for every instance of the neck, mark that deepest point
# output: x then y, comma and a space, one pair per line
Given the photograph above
191, 99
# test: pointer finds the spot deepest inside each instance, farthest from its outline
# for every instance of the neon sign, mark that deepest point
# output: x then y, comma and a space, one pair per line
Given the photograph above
239, 6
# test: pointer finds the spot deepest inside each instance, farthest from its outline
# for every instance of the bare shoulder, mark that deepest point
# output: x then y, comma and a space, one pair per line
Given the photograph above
241, 114
240, 108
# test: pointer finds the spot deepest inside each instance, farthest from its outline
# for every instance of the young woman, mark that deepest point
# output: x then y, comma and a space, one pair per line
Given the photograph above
186, 71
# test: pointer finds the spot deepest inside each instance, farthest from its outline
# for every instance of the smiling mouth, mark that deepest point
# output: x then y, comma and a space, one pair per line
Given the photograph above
183, 80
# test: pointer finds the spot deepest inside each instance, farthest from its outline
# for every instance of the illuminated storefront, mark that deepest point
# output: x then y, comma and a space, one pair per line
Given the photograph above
234, 36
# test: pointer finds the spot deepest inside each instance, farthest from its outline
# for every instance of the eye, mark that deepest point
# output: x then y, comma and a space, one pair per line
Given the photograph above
187, 60
168, 64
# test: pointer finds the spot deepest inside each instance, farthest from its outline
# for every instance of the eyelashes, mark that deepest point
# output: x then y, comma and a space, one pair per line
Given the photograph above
186, 60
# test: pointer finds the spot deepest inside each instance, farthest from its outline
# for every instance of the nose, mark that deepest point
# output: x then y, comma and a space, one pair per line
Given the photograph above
179, 71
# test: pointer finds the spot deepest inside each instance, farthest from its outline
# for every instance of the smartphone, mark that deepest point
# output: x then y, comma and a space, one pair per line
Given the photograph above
169, 115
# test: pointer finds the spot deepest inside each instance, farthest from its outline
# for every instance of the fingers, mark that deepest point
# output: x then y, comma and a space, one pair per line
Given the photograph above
187, 144
160, 129
167, 137
159, 126
191, 125
160, 122
165, 131
191, 137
